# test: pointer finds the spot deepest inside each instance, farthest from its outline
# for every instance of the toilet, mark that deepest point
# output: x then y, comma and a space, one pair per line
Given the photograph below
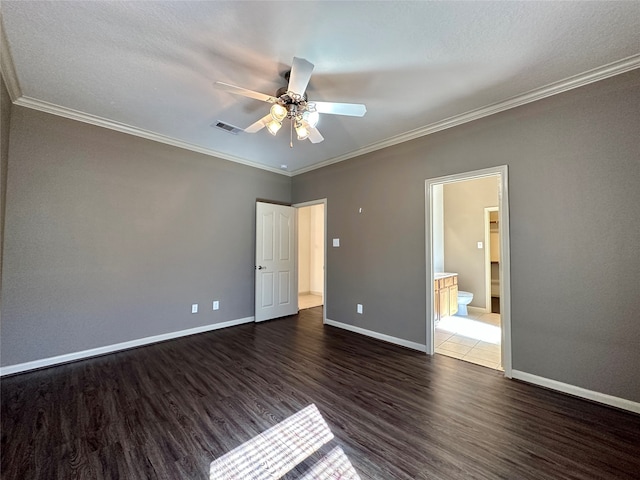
464, 299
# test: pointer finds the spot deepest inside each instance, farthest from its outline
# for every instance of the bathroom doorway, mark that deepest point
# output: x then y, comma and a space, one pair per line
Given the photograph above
311, 254
456, 250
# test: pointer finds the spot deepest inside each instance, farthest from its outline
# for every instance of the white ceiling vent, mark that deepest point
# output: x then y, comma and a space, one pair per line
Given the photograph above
226, 127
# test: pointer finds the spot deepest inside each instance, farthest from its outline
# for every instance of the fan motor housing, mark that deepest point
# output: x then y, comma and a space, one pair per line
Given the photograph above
287, 100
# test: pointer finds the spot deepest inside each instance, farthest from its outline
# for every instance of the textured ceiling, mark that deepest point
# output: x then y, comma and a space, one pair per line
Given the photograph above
150, 66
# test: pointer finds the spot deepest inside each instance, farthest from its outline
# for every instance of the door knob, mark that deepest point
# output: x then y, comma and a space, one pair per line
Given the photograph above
260, 267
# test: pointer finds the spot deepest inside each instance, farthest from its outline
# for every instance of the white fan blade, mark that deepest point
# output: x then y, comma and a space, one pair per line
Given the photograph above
300, 75
315, 136
259, 125
244, 92
351, 109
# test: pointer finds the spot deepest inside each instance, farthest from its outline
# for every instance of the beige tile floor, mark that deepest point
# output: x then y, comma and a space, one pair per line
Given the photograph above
309, 301
474, 338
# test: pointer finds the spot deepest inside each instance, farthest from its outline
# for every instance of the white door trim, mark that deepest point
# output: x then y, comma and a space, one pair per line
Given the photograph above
320, 201
505, 255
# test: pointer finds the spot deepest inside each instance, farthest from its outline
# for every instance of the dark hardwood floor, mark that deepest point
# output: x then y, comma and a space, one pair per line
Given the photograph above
169, 409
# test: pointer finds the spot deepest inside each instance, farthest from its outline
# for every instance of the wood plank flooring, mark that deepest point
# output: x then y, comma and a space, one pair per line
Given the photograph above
167, 410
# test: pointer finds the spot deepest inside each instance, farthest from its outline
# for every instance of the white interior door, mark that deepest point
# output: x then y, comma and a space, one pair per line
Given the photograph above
276, 283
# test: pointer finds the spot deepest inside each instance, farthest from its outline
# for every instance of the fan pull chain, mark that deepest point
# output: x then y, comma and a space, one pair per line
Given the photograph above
291, 138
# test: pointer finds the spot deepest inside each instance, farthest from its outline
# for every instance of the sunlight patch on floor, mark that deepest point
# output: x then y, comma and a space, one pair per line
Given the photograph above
276, 451
471, 328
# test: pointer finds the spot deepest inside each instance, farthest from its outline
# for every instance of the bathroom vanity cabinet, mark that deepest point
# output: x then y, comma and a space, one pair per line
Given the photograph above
445, 295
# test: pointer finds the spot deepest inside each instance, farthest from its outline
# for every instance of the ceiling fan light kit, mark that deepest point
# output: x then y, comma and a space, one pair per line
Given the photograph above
311, 117
302, 129
278, 112
292, 106
273, 126
291, 103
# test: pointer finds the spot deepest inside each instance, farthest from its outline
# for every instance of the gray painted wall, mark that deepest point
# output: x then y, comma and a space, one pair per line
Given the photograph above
111, 238
574, 178
464, 204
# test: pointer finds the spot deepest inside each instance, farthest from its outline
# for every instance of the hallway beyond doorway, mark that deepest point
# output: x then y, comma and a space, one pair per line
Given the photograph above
309, 300
311, 242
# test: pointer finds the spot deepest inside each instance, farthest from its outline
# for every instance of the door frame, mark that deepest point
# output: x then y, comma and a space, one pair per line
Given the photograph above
501, 172
320, 201
487, 255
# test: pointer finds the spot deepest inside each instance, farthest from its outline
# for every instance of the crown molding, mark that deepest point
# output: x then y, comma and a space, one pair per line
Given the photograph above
576, 81
7, 68
72, 114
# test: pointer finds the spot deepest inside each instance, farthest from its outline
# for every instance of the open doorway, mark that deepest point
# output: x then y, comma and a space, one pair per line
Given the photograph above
311, 254
459, 302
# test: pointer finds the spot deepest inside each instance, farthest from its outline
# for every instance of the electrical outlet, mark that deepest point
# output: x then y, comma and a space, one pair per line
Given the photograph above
194, 308
216, 305
359, 308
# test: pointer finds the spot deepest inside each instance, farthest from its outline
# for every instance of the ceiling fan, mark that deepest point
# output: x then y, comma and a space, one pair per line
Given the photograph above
291, 103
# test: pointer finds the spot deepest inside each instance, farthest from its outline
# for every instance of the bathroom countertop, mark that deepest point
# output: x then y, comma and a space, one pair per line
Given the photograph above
439, 275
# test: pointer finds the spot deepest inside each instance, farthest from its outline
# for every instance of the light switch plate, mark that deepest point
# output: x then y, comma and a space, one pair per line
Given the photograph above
479, 244
336, 242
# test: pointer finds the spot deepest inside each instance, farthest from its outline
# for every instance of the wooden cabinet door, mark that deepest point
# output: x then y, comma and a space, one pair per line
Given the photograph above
444, 301
436, 301
453, 299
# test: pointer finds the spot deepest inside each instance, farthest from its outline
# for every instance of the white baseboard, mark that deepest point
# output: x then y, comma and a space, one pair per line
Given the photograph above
618, 402
477, 309
93, 352
310, 292
380, 336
